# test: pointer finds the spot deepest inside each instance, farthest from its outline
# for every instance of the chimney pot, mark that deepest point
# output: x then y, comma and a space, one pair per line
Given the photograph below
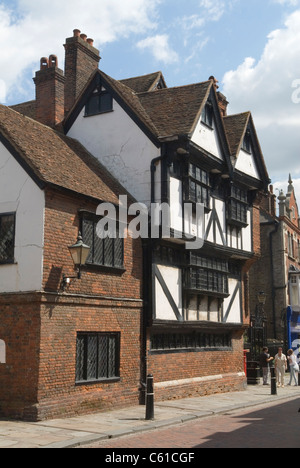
44, 63
90, 41
53, 62
76, 32
84, 37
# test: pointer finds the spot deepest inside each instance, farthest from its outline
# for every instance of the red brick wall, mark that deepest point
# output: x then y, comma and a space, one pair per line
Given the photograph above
20, 330
62, 223
192, 365
40, 329
61, 320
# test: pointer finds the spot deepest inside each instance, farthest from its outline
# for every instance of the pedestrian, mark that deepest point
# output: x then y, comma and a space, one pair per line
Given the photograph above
281, 367
265, 360
294, 368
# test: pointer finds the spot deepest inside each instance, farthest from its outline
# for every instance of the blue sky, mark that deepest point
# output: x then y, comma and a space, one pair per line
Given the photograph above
251, 46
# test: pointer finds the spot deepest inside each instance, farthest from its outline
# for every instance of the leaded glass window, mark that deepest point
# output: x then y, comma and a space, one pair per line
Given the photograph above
7, 238
97, 356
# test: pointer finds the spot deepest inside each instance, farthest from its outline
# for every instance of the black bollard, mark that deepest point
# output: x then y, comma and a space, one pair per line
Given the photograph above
150, 398
273, 382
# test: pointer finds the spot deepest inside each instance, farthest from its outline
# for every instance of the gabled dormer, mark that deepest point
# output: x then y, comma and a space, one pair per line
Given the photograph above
208, 132
246, 155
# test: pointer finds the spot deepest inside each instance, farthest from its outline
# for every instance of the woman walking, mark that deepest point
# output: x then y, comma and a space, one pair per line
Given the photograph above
294, 368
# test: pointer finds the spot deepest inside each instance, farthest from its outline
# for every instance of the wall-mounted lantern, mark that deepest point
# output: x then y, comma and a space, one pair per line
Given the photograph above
79, 253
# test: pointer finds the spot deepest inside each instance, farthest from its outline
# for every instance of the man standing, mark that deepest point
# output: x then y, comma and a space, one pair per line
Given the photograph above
265, 360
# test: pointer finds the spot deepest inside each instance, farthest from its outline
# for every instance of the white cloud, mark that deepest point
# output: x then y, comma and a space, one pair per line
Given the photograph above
266, 88
213, 9
35, 29
287, 2
160, 48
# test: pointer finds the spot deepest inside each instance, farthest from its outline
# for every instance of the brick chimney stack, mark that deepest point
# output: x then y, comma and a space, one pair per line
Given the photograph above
81, 60
222, 101
49, 89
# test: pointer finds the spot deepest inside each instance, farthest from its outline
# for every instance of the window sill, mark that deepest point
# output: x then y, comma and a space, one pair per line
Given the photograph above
98, 113
207, 125
104, 269
236, 223
189, 350
101, 381
12, 262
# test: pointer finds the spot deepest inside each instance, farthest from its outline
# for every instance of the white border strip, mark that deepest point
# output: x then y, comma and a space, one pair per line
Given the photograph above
177, 383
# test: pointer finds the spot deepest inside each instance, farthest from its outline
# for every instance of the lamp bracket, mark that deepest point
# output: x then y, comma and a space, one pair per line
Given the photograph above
67, 280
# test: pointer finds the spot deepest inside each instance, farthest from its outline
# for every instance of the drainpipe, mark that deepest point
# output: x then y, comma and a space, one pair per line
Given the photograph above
147, 277
271, 236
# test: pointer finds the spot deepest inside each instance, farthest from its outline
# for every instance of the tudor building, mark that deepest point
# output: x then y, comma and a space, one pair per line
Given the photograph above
176, 147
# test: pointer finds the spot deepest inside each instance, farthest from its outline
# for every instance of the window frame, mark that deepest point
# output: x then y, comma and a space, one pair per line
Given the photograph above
195, 341
207, 115
246, 146
199, 178
91, 217
99, 95
207, 276
9, 260
238, 203
84, 357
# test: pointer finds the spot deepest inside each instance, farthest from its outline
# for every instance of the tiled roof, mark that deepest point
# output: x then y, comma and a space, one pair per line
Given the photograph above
143, 84
174, 111
165, 112
56, 159
235, 127
26, 108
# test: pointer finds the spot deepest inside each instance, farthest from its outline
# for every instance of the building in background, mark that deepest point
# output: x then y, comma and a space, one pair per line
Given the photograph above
277, 273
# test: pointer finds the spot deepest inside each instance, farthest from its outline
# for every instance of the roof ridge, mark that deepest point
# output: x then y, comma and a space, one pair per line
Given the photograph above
177, 87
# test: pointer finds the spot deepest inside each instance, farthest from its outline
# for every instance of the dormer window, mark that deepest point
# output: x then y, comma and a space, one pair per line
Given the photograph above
207, 114
247, 142
99, 103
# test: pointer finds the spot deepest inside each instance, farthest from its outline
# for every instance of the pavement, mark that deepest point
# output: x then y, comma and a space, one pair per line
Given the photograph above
82, 430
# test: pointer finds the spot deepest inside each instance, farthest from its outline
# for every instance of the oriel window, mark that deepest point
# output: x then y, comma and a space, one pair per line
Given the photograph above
197, 188
238, 207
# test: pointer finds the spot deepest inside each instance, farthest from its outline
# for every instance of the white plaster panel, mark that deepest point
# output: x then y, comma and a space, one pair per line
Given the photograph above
121, 146
221, 213
246, 164
173, 280
207, 139
247, 235
19, 194
2, 352
235, 312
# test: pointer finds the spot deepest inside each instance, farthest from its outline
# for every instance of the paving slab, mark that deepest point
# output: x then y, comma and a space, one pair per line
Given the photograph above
81, 430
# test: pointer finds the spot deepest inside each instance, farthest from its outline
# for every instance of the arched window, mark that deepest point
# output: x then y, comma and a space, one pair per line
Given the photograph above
2, 352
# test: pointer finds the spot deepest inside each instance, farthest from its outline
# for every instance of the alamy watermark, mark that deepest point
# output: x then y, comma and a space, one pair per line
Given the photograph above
153, 222
296, 93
